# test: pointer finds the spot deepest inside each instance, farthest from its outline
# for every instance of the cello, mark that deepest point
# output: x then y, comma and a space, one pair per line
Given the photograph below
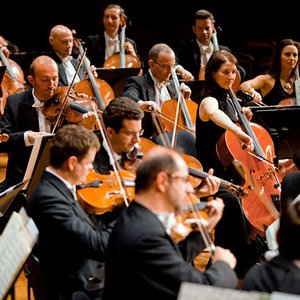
179, 113
13, 80
256, 172
122, 59
93, 87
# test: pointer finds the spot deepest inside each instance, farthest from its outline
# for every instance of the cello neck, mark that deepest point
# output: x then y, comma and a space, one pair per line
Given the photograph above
8, 67
297, 86
185, 112
122, 49
246, 125
215, 41
91, 77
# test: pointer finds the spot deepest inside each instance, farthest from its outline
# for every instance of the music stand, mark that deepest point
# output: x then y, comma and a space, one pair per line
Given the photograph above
7, 196
117, 78
282, 123
2, 72
38, 161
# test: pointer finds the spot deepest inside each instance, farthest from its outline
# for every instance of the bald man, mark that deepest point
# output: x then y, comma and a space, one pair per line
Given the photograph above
62, 42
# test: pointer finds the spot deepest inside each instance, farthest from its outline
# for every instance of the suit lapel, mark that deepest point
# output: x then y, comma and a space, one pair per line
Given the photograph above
61, 187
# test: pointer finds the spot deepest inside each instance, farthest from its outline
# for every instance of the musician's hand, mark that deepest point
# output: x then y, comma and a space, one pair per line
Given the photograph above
245, 139
129, 49
256, 96
149, 106
89, 120
224, 255
94, 71
247, 112
185, 74
185, 90
209, 186
4, 50
32, 135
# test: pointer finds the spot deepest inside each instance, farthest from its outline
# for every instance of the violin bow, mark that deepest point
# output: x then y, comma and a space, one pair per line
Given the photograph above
206, 236
68, 92
116, 166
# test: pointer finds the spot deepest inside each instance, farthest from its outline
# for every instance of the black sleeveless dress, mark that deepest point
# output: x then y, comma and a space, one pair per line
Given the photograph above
208, 134
277, 94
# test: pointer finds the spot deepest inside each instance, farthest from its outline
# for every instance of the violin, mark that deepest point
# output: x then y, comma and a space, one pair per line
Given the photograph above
192, 216
102, 193
67, 106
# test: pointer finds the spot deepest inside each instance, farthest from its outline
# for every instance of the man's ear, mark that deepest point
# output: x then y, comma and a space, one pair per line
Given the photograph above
30, 79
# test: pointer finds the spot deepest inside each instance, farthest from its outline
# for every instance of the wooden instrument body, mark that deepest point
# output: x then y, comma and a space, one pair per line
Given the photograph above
256, 176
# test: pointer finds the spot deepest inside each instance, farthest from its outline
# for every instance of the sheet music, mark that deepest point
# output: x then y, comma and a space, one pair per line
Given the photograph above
16, 243
33, 158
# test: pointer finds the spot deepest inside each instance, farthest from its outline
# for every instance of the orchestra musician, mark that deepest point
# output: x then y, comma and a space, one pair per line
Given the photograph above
278, 84
62, 42
123, 121
194, 54
23, 119
122, 118
101, 46
142, 257
155, 86
71, 246
215, 115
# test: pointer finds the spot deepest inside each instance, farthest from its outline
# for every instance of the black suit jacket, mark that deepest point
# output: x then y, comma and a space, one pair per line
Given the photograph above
279, 275
101, 162
18, 117
63, 80
141, 88
147, 264
70, 245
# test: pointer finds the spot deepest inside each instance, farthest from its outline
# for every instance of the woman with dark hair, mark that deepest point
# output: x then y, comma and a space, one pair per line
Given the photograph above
279, 82
215, 115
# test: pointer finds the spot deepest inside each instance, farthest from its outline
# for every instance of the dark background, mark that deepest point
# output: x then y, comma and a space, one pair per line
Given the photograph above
149, 22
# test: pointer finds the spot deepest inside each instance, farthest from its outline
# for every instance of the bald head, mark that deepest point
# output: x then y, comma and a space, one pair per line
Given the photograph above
59, 30
42, 62
156, 160
61, 40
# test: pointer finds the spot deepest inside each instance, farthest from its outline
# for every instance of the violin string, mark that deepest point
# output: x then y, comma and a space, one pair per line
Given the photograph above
116, 166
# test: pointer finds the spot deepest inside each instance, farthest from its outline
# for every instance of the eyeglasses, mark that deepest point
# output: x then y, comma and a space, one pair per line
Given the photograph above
164, 66
184, 179
133, 134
